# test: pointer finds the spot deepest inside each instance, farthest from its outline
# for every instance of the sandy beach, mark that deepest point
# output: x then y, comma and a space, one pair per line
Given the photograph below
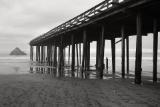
34, 90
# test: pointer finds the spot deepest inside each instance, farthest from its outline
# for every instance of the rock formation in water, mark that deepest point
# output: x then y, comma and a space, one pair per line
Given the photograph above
17, 51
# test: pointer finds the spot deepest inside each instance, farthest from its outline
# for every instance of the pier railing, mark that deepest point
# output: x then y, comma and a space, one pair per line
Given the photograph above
80, 19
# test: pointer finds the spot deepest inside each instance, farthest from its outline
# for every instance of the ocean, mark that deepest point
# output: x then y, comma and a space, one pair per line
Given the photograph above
14, 64
21, 64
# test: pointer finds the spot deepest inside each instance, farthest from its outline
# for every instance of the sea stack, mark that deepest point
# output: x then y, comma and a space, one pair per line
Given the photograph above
17, 51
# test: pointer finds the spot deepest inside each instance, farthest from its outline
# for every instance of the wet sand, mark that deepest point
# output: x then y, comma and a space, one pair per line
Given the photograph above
34, 90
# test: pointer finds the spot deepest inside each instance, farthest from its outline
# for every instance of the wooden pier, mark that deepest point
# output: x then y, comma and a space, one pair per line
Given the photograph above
108, 20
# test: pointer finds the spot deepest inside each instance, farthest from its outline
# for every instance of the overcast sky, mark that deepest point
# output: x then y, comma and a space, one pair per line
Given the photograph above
22, 20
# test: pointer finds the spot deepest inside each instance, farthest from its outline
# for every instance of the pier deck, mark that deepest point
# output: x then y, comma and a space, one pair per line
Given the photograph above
108, 20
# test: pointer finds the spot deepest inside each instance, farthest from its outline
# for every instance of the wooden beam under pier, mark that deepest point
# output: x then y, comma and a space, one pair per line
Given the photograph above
123, 51
101, 58
80, 55
88, 56
31, 58
41, 59
73, 56
155, 49
97, 54
31, 53
55, 60
49, 51
84, 54
36, 57
138, 62
39, 54
36, 53
61, 63
58, 62
49, 56
127, 53
77, 59
69, 55
113, 55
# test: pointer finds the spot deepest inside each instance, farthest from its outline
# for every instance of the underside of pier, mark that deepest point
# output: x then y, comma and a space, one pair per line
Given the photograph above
108, 20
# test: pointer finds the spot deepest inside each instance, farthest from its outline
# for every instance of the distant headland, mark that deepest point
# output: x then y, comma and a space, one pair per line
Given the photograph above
17, 51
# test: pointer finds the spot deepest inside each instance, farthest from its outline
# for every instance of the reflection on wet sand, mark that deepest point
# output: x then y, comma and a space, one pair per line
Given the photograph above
16, 69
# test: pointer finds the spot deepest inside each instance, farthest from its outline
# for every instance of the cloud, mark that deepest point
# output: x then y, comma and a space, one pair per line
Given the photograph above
22, 20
